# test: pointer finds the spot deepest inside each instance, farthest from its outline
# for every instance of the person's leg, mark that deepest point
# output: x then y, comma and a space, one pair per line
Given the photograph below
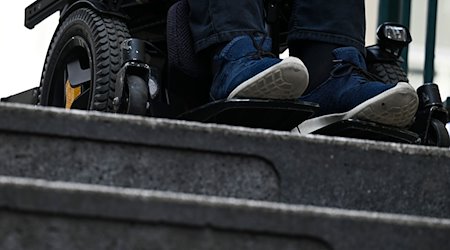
339, 22
318, 27
214, 22
329, 37
232, 34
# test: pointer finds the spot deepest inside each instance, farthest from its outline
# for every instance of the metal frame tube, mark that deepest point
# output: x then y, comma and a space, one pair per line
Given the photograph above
406, 21
430, 41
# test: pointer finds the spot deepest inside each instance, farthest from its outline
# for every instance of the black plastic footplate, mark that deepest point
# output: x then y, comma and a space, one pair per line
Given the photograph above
358, 129
254, 113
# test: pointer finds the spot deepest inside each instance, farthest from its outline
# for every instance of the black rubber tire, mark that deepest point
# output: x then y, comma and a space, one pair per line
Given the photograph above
102, 36
438, 134
136, 96
388, 72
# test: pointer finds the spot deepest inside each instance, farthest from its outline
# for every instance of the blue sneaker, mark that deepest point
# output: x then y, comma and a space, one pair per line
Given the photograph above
352, 92
246, 70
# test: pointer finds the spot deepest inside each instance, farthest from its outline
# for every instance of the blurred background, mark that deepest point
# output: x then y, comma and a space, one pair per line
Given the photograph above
24, 50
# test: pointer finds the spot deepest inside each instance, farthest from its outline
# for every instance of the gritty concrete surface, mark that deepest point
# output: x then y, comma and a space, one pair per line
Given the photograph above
38, 214
168, 155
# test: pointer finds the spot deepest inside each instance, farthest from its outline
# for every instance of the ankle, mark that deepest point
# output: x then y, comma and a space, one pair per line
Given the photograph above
318, 59
208, 56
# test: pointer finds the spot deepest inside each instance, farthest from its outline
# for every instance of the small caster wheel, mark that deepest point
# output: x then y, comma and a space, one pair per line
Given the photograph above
438, 134
135, 96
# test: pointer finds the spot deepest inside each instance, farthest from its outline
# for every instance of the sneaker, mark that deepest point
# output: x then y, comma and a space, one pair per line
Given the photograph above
248, 70
352, 92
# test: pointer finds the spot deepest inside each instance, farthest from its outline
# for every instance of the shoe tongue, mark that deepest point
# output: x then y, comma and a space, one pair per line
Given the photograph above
351, 55
244, 45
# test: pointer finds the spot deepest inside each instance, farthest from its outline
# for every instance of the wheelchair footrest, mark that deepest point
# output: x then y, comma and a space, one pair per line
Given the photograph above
254, 113
371, 131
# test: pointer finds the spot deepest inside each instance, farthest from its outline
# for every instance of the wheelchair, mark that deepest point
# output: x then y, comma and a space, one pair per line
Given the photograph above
136, 57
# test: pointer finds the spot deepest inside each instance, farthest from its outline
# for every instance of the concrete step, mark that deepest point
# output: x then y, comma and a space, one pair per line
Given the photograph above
170, 155
43, 215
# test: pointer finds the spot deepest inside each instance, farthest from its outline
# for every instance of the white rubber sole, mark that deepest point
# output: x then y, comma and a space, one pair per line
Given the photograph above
394, 107
285, 80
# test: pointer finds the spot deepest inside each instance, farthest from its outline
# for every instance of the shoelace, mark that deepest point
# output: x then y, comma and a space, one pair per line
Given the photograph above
260, 52
349, 67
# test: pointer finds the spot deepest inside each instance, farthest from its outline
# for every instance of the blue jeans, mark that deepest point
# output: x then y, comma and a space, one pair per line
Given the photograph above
340, 22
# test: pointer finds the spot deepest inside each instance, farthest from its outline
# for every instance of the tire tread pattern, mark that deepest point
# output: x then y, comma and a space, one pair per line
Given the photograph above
389, 72
108, 34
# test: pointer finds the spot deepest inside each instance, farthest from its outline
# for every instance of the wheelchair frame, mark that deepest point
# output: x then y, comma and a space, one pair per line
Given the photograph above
146, 21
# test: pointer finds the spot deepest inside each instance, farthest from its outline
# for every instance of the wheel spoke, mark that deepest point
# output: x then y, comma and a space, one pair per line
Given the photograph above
77, 82
76, 75
71, 93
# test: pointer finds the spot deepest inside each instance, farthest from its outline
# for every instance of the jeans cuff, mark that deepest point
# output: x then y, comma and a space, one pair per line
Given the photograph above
222, 37
311, 35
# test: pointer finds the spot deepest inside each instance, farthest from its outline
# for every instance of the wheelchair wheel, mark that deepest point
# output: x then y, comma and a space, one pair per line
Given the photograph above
82, 62
438, 134
135, 96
